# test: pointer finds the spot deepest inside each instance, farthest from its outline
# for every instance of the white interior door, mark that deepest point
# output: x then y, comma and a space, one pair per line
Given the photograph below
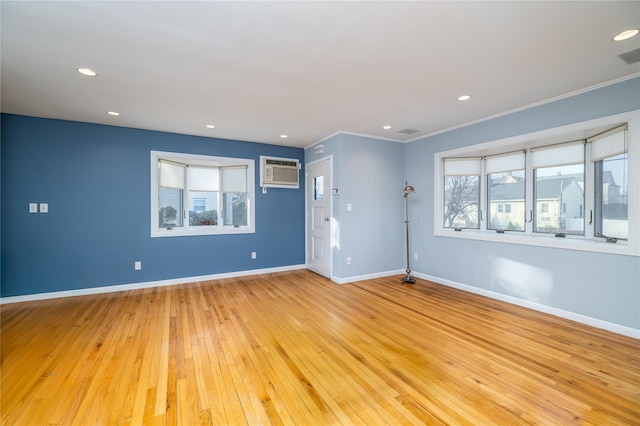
319, 218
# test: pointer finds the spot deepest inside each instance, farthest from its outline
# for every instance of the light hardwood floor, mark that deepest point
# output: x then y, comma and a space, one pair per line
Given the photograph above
294, 348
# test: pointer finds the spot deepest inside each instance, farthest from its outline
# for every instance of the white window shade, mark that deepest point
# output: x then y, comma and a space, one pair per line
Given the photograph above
558, 155
462, 166
204, 178
609, 144
504, 163
234, 179
171, 175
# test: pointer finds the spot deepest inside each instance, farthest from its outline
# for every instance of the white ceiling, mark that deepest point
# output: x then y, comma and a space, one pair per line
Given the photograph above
257, 70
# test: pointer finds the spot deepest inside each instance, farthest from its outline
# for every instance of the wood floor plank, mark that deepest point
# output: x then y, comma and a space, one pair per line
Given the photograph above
140, 386
294, 348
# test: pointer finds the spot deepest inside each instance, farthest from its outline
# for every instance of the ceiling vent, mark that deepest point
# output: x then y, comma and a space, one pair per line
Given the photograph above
408, 131
631, 57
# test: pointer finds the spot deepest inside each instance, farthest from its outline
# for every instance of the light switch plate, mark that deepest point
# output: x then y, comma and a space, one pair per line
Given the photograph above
33, 207
44, 208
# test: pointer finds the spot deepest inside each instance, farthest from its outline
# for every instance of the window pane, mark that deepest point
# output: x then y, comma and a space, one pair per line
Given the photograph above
506, 208
234, 198
559, 199
203, 208
235, 208
461, 201
612, 203
318, 188
170, 207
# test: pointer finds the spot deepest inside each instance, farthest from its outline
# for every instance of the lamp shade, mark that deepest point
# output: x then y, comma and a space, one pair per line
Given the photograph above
408, 189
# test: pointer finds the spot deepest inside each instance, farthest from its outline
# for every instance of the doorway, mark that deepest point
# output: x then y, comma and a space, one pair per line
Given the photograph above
319, 216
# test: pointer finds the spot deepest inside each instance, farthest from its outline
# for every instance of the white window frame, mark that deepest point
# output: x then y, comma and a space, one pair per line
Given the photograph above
562, 154
466, 167
502, 163
208, 161
582, 130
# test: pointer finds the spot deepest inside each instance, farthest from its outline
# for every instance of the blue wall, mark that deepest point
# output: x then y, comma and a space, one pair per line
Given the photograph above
96, 180
597, 285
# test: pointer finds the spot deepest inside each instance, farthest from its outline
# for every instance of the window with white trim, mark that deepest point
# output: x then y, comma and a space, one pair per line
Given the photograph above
505, 191
462, 193
547, 189
201, 195
610, 157
558, 188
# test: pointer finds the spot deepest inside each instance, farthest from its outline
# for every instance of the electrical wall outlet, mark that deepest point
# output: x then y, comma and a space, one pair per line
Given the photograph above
137, 266
253, 255
415, 256
44, 207
33, 207
348, 261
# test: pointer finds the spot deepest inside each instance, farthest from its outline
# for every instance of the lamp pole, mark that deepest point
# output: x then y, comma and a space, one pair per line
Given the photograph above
408, 189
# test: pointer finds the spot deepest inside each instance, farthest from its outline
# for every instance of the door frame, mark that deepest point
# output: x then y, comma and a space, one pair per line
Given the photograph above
328, 158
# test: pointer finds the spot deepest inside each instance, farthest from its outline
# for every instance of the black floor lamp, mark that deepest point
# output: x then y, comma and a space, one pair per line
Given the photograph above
408, 189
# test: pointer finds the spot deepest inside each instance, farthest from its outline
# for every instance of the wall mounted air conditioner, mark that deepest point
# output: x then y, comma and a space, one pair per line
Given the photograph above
279, 172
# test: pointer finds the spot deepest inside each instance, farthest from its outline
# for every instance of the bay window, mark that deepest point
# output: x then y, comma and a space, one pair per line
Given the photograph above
575, 187
200, 195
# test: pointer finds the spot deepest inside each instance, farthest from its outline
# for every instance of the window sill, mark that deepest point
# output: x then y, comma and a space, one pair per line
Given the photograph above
192, 232
567, 243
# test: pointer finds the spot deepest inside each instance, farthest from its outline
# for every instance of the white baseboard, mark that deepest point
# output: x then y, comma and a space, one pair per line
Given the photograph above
594, 322
141, 285
365, 277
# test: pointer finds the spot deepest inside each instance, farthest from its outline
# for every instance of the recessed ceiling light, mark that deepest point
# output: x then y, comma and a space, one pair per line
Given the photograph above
464, 98
113, 113
626, 35
283, 136
210, 126
87, 71
386, 127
